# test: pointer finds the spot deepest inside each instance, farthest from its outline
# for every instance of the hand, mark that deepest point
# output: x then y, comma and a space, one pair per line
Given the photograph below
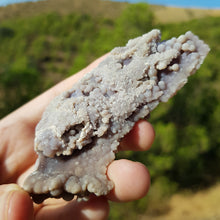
17, 157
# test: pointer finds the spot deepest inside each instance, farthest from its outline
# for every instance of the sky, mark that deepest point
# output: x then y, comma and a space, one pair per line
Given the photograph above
180, 3
7, 2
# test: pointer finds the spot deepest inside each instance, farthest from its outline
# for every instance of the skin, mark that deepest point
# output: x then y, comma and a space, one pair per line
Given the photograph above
17, 157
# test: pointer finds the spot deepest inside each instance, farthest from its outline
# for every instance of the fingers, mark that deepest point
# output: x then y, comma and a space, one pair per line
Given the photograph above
132, 182
15, 204
140, 138
95, 208
131, 179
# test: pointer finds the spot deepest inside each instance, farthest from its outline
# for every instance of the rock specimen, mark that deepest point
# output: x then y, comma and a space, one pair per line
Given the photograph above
80, 130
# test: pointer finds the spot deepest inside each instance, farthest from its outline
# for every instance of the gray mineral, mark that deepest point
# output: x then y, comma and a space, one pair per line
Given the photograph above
80, 130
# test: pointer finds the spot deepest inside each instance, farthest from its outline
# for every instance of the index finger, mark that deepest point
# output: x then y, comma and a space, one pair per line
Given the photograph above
140, 138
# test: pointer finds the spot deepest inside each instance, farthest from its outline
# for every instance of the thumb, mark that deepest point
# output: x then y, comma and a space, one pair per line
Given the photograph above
15, 203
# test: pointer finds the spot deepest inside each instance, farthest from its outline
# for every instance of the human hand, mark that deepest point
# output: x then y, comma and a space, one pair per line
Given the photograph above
17, 157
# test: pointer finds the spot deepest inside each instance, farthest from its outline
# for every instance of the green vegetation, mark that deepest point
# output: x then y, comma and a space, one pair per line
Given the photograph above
37, 52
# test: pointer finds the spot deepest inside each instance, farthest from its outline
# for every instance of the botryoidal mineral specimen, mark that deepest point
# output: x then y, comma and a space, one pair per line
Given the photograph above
80, 130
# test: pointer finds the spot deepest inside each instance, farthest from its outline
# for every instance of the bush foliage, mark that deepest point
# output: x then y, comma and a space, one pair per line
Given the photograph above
186, 151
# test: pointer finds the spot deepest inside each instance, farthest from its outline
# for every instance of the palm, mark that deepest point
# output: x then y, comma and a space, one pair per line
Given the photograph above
17, 156
16, 150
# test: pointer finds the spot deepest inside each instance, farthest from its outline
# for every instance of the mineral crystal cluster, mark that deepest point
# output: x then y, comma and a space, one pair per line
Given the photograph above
80, 130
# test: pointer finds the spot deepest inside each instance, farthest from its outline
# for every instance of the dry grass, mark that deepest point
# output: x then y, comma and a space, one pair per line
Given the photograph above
170, 14
203, 205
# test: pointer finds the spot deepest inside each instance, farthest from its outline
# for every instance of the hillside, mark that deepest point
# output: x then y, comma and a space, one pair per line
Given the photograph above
95, 7
102, 8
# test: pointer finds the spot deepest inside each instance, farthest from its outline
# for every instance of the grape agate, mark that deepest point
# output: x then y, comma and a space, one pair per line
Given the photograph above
80, 130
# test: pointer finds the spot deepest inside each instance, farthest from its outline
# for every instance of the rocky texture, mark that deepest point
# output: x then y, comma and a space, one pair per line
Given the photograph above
80, 130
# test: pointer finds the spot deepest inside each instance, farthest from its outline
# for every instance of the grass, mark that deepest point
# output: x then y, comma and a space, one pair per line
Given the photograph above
173, 15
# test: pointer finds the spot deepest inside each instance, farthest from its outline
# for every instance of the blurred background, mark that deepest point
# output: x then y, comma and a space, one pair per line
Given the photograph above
43, 42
